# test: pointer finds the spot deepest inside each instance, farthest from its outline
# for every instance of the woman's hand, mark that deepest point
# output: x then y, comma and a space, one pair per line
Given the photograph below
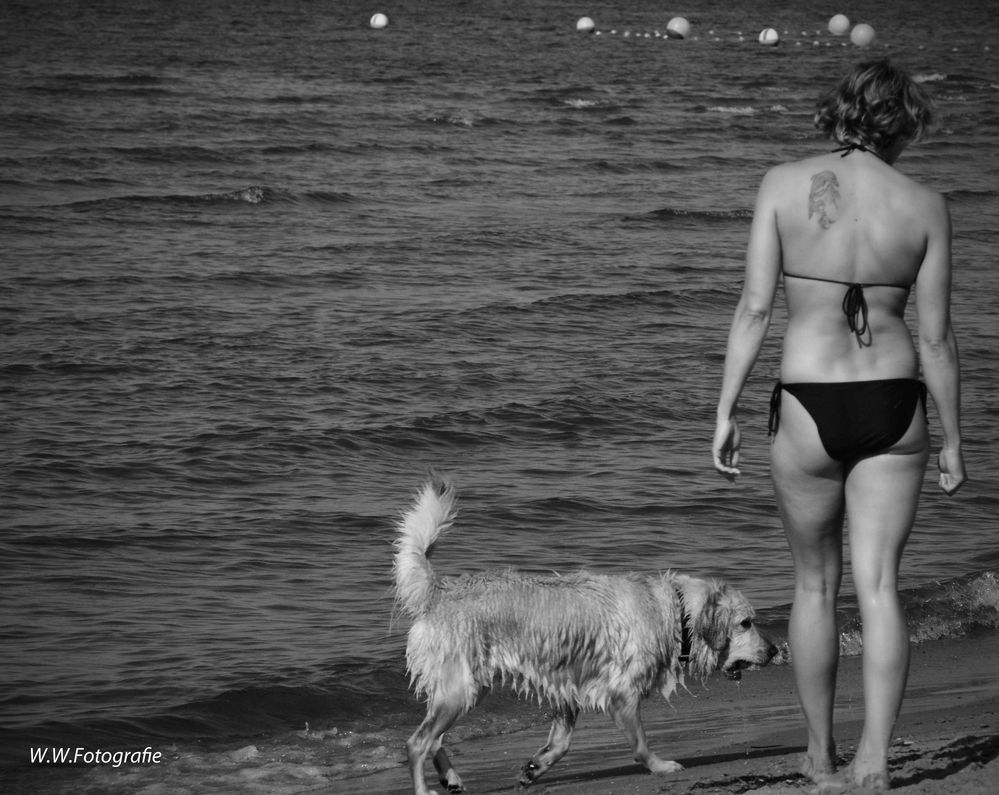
726, 446
951, 465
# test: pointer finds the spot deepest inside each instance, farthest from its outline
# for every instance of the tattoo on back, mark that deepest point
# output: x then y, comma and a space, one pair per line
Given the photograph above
823, 199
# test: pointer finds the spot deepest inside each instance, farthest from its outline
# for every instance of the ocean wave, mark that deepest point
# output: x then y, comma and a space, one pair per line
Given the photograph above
578, 103
631, 166
589, 302
953, 608
453, 119
360, 706
252, 195
567, 308
128, 78
134, 84
173, 154
563, 420
937, 611
961, 196
621, 121
706, 216
733, 110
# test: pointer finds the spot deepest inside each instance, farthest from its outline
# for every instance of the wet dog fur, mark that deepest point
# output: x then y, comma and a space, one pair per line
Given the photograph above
581, 641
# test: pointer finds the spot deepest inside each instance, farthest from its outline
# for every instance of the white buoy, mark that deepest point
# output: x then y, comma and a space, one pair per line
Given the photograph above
378, 21
585, 25
839, 25
678, 28
769, 37
862, 35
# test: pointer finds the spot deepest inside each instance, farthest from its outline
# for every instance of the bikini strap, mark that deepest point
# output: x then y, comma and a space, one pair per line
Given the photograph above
845, 284
857, 148
814, 278
854, 301
773, 423
855, 309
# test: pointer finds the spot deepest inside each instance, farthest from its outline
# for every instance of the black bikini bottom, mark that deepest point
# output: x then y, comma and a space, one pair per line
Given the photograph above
855, 418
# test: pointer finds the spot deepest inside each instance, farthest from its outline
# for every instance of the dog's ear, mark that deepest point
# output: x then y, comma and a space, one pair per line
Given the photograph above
713, 619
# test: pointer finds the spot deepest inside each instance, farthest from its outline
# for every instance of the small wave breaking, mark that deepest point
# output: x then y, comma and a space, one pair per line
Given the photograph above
940, 611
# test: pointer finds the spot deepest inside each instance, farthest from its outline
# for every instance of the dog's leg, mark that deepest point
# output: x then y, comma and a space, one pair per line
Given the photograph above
559, 740
626, 712
446, 773
440, 717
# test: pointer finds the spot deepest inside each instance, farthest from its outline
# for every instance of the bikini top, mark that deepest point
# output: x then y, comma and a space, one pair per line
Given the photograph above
856, 148
854, 302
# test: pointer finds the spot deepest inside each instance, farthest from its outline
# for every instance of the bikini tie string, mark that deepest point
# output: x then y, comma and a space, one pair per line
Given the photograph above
851, 148
773, 423
858, 148
855, 309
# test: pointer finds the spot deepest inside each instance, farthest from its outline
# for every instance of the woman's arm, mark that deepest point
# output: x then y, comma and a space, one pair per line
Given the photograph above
937, 346
750, 323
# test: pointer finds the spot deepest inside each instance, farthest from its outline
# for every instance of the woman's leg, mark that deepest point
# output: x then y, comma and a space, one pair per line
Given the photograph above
882, 493
809, 488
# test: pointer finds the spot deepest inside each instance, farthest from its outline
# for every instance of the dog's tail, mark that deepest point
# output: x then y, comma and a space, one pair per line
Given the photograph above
417, 531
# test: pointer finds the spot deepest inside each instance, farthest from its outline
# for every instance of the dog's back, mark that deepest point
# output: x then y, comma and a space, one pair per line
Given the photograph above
572, 640
567, 639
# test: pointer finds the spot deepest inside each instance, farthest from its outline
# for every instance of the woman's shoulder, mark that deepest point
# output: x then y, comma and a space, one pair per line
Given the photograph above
822, 160
913, 193
918, 188
780, 175
789, 175
786, 180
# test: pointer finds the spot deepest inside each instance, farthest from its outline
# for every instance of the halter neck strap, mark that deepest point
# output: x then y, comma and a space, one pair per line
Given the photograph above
848, 148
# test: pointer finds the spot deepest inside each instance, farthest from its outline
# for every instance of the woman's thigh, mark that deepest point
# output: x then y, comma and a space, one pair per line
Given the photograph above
810, 492
882, 494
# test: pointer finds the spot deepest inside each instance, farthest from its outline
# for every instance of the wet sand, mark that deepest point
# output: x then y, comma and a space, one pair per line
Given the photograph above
745, 738
947, 739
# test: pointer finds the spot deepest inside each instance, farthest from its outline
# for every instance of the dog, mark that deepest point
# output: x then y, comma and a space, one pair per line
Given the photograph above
582, 641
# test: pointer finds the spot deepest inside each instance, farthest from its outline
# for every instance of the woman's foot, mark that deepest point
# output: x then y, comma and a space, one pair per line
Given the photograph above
853, 781
869, 779
818, 769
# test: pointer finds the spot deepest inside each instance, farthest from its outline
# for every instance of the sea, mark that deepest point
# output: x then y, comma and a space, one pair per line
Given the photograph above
266, 267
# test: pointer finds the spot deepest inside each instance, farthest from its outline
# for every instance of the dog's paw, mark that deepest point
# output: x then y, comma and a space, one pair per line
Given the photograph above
529, 773
660, 766
451, 782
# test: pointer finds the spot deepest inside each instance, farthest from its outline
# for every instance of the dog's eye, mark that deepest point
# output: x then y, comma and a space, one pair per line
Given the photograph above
747, 623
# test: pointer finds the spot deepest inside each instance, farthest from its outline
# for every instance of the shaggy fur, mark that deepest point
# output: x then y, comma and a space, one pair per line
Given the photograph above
579, 641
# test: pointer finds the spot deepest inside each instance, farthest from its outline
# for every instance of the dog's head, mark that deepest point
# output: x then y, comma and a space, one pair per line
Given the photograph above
722, 628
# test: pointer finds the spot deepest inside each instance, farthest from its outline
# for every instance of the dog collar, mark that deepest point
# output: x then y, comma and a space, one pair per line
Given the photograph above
685, 638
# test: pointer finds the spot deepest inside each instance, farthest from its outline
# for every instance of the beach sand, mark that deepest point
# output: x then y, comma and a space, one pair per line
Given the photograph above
947, 738
731, 738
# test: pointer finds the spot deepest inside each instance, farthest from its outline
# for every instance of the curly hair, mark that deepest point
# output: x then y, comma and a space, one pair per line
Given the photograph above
876, 105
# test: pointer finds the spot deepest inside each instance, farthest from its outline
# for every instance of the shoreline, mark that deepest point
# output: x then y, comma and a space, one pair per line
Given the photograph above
731, 738
946, 739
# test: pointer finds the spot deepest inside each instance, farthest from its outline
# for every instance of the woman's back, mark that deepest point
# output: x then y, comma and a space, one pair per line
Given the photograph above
844, 221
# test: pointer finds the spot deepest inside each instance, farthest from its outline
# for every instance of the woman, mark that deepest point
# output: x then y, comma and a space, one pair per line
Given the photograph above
851, 236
